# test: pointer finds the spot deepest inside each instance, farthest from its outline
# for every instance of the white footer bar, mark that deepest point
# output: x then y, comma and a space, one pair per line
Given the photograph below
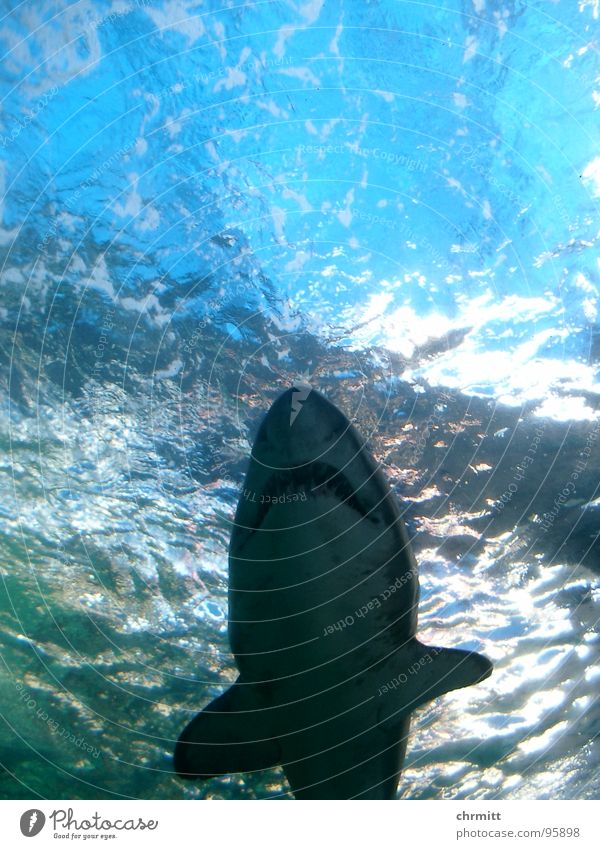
310, 825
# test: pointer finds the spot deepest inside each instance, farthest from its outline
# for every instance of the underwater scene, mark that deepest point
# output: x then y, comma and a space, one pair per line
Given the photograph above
203, 204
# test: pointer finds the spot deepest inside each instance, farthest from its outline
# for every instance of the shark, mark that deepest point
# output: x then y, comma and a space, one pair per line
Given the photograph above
323, 603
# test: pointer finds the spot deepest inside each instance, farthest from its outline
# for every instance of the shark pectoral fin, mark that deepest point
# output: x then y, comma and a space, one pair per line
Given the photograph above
227, 736
430, 672
441, 670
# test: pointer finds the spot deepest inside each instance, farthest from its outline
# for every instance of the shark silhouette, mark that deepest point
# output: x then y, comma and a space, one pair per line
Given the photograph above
323, 602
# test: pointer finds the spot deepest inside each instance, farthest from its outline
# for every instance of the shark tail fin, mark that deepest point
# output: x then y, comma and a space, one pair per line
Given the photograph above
431, 672
226, 737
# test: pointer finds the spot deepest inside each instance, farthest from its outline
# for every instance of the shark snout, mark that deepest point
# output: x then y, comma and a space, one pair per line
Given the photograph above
305, 440
301, 427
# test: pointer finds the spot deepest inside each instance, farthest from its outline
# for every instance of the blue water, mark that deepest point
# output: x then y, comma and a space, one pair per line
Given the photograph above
396, 201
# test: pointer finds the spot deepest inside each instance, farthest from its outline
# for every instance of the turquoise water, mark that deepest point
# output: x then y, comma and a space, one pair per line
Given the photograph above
397, 201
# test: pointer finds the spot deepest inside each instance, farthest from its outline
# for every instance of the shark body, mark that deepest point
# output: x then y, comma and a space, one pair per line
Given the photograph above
323, 603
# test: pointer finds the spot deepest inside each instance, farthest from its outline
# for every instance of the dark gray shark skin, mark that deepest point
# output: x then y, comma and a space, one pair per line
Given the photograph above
323, 603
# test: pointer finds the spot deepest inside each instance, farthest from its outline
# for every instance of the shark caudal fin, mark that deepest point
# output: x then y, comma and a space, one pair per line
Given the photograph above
226, 737
425, 673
